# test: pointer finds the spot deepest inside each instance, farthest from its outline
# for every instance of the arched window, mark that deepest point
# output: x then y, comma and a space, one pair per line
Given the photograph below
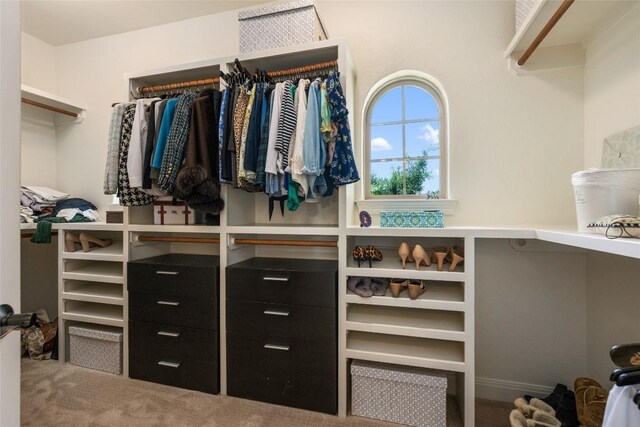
406, 138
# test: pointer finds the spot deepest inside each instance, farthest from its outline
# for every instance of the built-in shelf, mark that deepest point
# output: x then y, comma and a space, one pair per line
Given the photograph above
438, 296
106, 272
594, 242
103, 314
284, 229
156, 228
426, 353
57, 104
412, 322
106, 293
110, 253
564, 45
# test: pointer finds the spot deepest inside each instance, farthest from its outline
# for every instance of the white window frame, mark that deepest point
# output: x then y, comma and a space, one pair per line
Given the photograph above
407, 201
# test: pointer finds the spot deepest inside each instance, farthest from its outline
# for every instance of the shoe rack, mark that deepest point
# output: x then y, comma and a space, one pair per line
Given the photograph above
91, 284
434, 331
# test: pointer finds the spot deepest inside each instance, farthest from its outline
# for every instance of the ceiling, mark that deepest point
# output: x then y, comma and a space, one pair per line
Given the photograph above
59, 22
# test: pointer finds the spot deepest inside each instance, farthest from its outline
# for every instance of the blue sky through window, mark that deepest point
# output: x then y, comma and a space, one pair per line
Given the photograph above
420, 134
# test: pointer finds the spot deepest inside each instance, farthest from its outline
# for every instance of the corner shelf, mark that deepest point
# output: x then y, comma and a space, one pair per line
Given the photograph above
51, 102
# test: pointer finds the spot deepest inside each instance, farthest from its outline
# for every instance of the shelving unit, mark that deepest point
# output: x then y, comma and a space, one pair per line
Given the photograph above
91, 284
62, 107
563, 47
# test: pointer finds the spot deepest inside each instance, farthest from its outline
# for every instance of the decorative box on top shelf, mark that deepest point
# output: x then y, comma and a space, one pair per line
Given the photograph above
280, 25
412, 219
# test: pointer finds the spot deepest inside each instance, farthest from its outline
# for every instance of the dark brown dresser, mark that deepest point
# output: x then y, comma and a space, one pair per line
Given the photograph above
282, 332
173, 321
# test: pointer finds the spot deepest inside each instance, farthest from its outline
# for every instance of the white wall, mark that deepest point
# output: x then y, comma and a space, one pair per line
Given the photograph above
515, 140
38, 63
612, 84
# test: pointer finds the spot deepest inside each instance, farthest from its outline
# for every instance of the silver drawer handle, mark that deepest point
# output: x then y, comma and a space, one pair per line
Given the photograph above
169, 364
276, 279
169, 334
173, 303
276, 313
170, 273
277, 347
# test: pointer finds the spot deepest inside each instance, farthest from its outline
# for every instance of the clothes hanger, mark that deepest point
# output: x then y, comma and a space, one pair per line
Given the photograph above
625, 355
628, 378
619, 371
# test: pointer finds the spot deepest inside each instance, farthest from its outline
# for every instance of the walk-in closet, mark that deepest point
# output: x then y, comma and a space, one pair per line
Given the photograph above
302, 213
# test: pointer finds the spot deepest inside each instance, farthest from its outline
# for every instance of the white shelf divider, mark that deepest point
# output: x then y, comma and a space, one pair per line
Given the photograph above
110, 253
439, 296
102, 314
106, 293
106, 272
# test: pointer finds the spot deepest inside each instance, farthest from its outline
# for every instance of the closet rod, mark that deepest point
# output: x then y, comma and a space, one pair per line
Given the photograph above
269, 242
547, 28
49, 107
296, 70
179, 239
180, 85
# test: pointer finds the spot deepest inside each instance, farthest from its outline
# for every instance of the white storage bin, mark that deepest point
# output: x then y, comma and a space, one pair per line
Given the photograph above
96, 347
280, 25
602, 192
399, 394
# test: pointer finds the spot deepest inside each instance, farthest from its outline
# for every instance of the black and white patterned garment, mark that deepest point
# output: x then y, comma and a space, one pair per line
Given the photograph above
128, 196
286, 124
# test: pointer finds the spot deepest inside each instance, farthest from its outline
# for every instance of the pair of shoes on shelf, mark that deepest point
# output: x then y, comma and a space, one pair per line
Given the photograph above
367, 286
367, 253
591, 400
535, 413
439, 254
539, 419
85, 240
415, 287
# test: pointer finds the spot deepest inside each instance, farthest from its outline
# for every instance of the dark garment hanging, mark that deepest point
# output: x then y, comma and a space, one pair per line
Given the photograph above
253, 132
238, 124
203, 134
151, 133
228, 163
265, 115
224, 108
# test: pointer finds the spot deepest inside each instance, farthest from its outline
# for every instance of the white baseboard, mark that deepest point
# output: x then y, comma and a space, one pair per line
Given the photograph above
507, 391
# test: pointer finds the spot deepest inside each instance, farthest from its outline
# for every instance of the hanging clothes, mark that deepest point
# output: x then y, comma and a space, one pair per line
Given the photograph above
286, 126
620, 410
253, 137
137, 146
174, 151
128, 196
148, 152
265, 120
272, 178
297, 162
343, 165
313, 150
163, 135
221, 135
113, 150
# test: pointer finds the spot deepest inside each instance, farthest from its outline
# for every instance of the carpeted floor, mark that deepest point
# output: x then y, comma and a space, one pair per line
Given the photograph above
55, 394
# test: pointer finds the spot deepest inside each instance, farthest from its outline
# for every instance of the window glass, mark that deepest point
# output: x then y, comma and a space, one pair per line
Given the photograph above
390, 109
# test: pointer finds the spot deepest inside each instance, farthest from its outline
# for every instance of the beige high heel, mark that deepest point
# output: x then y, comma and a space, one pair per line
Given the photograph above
405, 253
420, 256
397, 286
456, 256
439, 254
416, 288
86, 239
70, 241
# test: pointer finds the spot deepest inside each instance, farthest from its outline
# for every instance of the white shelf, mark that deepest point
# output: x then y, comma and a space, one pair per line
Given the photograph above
450, 232
105, 272
82, 226
595, 242
573, 30
51, 100
156, 228
110, 253
426, 353
411, 322
105, 293
102, 314
439, 296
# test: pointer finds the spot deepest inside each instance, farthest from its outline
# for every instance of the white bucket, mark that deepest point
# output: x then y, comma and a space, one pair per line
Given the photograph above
601, 192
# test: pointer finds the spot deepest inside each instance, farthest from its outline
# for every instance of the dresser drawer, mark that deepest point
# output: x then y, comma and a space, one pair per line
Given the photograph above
150, 340
290, 321
279, 355
299, 391
181, 310
272, 280
174, 274
184, 373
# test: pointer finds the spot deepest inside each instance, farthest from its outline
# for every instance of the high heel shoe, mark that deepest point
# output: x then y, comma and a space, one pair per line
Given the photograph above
456, 256
359, 254
416, 288
439, 255
405, 253
70, 241
373, 254
420, 256
86, 239
397, 286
